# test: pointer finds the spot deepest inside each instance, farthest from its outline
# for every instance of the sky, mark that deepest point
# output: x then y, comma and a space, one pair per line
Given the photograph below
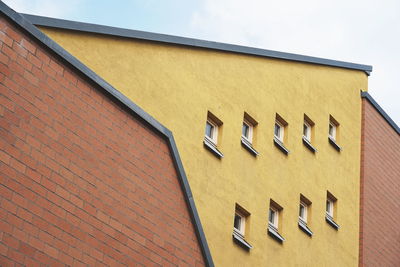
359, 31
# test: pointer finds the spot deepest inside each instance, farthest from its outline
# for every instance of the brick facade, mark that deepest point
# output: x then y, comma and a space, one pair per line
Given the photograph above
82, 180
380, 190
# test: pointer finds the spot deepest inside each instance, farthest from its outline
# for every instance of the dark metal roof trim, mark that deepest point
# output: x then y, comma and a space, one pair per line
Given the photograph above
177, 40
28, 27
378, 108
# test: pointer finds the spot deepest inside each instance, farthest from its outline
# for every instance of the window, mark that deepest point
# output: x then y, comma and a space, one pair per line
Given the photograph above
212, 133
248, 133
239, 227
333, 133
239, 223
273, 217
303, 212
308, 132
331, 210
304, 215
274, 220
280, 133
329, 207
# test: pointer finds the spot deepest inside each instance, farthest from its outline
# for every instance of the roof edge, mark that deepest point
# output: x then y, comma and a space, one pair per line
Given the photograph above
39, 36
380, 110
177, 40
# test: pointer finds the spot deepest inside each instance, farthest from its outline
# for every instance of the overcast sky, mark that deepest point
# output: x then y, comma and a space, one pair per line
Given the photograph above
365, 32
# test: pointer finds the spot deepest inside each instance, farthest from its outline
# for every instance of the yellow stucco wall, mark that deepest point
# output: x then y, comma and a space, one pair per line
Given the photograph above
178, 85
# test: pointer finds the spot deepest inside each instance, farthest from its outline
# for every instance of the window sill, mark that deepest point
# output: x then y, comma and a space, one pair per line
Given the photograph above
211, 147
334, 144
281, 147
246, 144
331, 222
309, 145
239, 239
303, 226
273, 232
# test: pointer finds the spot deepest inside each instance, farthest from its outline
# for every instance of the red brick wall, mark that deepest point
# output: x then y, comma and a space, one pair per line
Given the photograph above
380, 191
82, 182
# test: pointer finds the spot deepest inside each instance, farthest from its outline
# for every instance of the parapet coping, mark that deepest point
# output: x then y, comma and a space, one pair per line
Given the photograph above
191, 42
380, 110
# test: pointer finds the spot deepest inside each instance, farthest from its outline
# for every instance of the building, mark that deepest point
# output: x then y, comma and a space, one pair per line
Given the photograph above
86, 177
380, 187
270, 143
263, 136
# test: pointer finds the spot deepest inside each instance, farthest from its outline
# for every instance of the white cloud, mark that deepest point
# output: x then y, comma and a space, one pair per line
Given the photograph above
366, 32
49, 8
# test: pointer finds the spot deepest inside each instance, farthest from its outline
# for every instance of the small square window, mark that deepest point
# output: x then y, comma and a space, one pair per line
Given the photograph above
307, 131
239, 227
332, 130
279, 131
274, 218
308, 126
212, 134
280, 134
247, 131
329, 207
239, 223
331, 210
211, 131
303, 212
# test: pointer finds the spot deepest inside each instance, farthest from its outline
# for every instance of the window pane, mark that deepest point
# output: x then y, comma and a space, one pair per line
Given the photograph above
301, 211
209, 130
237, 222
331, 130
245, 130
271, 216
277, 130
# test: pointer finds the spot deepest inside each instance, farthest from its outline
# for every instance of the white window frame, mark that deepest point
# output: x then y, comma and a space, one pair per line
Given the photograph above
242, 229
305, 215
281, 131
275, 223
333, 134
307, 135
249, 138
214, 136
330, 207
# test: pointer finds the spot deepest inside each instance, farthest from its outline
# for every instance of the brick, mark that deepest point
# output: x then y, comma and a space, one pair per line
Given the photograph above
82, 180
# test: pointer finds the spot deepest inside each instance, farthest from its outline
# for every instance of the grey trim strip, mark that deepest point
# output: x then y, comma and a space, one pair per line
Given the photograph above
212, 148
378, 108
274, 234
309, 145
247, 145
170, 39
303, 226
331, 222
241, 241
281, 146
334, 144
153, 123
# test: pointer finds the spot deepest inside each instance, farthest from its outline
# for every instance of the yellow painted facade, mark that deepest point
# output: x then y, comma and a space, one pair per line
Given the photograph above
178, 85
